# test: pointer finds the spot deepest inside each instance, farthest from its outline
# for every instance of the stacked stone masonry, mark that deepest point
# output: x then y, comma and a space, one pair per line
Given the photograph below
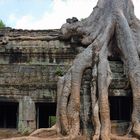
31, 61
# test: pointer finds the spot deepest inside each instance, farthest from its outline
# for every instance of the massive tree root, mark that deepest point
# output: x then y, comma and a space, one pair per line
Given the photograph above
111, 26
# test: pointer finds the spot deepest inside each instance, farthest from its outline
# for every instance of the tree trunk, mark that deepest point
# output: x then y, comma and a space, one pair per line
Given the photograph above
111, 28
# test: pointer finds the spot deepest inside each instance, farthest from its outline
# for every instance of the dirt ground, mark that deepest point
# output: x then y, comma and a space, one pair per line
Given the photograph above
39, 134
13, 134
8, 133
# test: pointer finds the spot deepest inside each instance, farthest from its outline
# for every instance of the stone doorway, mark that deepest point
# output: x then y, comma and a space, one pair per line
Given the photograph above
45, 114
120, 108
8, 114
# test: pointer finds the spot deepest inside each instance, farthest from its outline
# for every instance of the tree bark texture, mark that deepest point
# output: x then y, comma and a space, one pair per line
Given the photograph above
111, 28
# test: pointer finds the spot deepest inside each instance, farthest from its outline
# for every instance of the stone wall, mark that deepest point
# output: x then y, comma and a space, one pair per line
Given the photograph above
30, 62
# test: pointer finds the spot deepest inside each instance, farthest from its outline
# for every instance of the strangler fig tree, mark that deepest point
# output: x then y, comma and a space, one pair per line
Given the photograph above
112, 26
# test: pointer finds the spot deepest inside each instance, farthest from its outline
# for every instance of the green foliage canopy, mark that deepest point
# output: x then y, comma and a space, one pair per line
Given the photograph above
2, 25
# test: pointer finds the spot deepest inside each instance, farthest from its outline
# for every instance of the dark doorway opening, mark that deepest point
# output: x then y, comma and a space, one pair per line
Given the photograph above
120, 108
8, 114
45, 114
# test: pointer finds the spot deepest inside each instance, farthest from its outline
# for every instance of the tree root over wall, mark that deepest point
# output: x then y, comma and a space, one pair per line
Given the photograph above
112, 26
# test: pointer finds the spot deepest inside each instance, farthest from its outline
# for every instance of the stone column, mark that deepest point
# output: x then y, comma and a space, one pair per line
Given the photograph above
27, 115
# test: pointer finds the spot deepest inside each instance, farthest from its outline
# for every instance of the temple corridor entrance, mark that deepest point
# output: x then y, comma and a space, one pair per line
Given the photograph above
8, 114
120, 108
45, 114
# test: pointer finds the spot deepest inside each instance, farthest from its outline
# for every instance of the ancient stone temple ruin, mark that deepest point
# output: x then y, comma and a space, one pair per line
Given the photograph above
30, 63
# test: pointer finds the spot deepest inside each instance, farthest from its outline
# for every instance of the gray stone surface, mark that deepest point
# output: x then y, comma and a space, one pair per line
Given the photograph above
29, 68
27, 118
